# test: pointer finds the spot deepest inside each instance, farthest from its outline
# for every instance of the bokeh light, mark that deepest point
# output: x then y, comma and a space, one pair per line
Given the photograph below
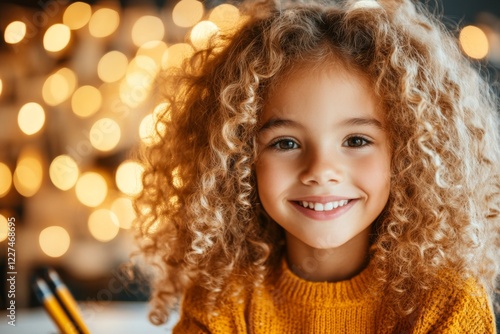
56, 37
15, 32
28, 175
146, 29
54, 241
176, 54
123, 209
161, 111
112, 66
202, 33
153, 50
137, 84
129, 177
59, 86
1, 87
105, 134
150, 131
187, 13
64, 172
225, 16
91, 189
104, 22
147, 130
103, 225
86, 101
4, 228
5, 179
474, 42
77, 15
31, 118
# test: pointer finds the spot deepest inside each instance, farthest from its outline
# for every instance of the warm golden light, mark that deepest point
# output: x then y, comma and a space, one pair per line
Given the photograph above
148, 130
103, 225
56, 37
147, 28
202, 33
161, 111
112, 66
28, 174
77, 15
187, 13
31, 118
129, 177
91, 189
15, 32
5, 179
59, 86
4, 228
105, 134
1, 87
153, 50
474, 42
86, 101
176, 54
124, 211
104, 22
70, 77
136, 86
225, 16
63, 172
54, 241
140, 80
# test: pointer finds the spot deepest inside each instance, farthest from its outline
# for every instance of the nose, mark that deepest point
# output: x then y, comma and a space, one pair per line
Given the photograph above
321, 168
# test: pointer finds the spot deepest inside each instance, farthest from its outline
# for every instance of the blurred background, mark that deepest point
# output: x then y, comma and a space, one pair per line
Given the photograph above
77, 96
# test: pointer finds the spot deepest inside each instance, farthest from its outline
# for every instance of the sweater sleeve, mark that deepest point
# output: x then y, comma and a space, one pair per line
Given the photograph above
458, 308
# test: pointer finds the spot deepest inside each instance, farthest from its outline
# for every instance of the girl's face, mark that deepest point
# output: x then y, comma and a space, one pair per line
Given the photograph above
323, 169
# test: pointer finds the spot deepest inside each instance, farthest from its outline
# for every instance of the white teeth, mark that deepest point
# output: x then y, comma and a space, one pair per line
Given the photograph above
324, 206
318, 207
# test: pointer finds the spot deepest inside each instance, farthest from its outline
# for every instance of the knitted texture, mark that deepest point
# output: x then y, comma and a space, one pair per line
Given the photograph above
293, 305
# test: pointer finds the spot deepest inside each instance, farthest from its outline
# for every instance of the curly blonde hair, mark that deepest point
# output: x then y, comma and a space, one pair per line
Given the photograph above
199, 221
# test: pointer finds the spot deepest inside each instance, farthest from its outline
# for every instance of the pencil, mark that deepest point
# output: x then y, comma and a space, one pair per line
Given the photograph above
53, 308
68, 301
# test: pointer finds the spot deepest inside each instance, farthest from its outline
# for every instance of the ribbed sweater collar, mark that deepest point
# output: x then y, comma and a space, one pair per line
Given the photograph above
297, 290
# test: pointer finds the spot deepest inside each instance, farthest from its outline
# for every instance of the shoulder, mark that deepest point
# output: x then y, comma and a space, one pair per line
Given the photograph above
226, 317
456, 305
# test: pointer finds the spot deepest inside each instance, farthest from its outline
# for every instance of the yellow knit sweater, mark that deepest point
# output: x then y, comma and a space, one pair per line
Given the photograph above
293, 305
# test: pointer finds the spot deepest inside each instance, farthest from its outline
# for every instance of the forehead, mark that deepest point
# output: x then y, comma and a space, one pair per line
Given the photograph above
310, 86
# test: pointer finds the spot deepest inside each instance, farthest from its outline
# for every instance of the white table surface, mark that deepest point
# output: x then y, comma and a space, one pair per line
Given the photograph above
103, 318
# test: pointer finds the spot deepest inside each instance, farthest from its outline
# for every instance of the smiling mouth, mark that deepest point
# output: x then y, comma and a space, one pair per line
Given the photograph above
329, 206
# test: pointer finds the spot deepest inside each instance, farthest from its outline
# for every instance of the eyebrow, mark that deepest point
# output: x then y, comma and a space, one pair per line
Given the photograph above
356, 121
369, 121
277, 123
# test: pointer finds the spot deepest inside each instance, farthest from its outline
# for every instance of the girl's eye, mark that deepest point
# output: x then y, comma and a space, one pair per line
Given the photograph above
356, 141
285, 144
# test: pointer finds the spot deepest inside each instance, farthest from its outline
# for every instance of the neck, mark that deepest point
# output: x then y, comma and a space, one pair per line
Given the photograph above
331, 264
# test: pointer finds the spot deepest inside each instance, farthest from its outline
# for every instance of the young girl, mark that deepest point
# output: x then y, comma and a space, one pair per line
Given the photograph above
327, 168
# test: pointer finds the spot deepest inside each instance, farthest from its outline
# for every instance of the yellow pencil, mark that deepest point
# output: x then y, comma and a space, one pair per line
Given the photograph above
53, 308
68, 302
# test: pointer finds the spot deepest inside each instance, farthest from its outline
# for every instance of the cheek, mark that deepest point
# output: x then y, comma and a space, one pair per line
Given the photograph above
272, 177
373, 174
